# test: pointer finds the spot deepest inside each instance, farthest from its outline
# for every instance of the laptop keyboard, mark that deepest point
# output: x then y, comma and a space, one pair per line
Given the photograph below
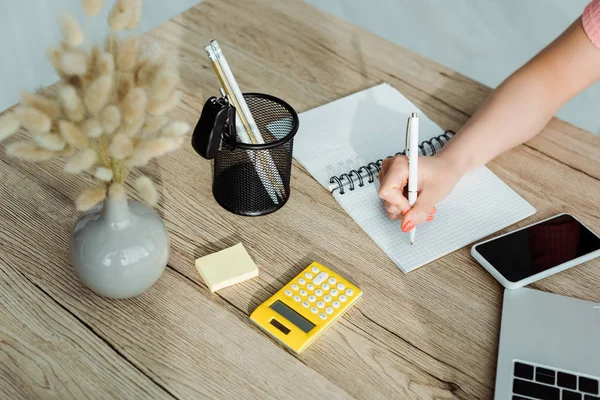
542, 383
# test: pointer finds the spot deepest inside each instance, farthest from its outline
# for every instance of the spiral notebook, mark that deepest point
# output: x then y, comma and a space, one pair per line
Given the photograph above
342, 145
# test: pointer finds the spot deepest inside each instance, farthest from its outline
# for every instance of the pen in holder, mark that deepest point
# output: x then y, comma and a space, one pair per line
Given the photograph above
248, 179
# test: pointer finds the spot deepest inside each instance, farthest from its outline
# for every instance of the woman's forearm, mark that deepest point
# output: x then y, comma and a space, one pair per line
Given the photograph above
522, 105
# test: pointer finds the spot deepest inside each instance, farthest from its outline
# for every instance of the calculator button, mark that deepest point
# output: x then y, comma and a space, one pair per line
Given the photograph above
323, 316
297, 298
336, 304
294, 287
343, 298
327, 298
308, 275
302, 281
310, 286
288, 293
329, 310
305, 304
303, 292
312, 298
314, 310
340, 286
319, 292
320, 304
315, 270
349, 292
325, 286
320, 278
332, 280
334, 292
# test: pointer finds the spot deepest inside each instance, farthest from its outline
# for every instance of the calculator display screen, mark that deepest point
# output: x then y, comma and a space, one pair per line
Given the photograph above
292, 316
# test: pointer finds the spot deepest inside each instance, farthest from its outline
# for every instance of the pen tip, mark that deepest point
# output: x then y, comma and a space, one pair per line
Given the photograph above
411, 243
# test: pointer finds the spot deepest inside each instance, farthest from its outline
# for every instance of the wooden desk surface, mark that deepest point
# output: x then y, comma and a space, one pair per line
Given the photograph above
432, 333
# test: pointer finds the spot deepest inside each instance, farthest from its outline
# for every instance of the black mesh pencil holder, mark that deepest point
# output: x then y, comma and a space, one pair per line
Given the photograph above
253, 179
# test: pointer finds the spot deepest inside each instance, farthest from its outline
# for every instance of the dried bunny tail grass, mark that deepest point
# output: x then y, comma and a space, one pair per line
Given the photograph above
134, 105
33, 119
54, 55
74, 63
71, 103
81, 161
144, 73
105, 64
92, 128
92, 60
163, 84
97, 94
148, 149
121, 15
161, 107
71, 31
66, 152
90, 197
152, 61
104, 174
153, 125
28, 151
116, 191
121, 147
127, 54
136, 15
50, 107
110, 118
139, 158
176, 128
49, 141
91, 8
147, 190
125, 84
130, 129
72, 134
155, 55
77, 114
8, 125
68, 96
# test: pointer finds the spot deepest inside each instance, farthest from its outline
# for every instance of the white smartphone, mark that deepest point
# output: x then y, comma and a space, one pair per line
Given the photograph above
529, 254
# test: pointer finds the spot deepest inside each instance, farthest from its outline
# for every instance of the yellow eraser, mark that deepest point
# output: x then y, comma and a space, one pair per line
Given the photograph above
226, 267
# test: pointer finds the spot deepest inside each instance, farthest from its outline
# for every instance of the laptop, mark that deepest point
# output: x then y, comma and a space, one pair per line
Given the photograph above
549, 347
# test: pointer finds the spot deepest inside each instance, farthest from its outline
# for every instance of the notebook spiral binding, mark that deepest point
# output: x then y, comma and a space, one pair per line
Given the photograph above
427, 147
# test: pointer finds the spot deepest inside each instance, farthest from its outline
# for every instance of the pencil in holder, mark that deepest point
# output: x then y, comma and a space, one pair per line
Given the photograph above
249, 179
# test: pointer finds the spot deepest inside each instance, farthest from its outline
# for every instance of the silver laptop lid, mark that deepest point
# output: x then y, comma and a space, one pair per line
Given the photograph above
546, 330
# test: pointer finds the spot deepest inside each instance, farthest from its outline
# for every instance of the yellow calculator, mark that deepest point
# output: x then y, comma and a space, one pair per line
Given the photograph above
304, 308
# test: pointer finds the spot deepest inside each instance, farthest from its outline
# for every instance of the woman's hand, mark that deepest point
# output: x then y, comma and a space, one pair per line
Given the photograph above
437, 178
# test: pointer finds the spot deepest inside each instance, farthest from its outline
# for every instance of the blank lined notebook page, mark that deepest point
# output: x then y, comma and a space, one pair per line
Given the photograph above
480, 205
351, 132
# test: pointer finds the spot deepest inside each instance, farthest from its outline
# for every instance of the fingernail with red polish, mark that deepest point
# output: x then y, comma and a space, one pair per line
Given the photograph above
404, 212
407, 226
430, 218
433, 210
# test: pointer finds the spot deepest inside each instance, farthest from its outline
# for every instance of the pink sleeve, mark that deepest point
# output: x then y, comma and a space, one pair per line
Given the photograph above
591, 22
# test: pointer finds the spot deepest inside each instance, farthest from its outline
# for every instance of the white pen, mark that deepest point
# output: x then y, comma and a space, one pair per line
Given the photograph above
245, 114
242, 134
412, 152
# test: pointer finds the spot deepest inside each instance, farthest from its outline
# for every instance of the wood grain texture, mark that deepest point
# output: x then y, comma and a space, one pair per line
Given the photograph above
431, 333
48, 354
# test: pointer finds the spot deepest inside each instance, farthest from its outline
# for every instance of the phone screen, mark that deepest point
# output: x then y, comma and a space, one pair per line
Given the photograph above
539, 247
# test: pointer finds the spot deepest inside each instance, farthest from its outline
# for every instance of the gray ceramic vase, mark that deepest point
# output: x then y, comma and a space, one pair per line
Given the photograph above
120, 248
